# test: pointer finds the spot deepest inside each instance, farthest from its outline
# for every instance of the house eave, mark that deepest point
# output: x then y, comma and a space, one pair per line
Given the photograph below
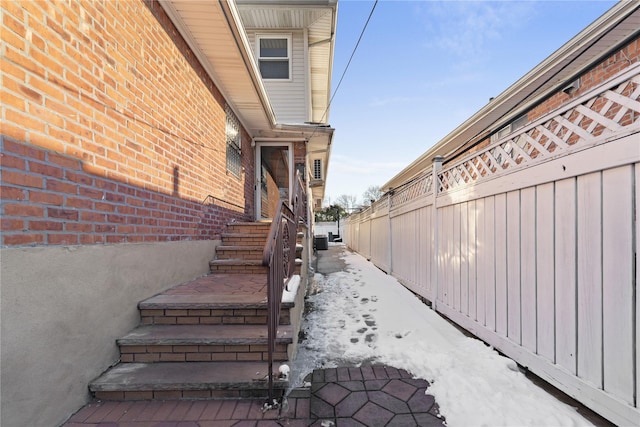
224, 52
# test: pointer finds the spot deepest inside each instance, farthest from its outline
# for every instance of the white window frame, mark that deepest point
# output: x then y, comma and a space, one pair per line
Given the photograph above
289, 39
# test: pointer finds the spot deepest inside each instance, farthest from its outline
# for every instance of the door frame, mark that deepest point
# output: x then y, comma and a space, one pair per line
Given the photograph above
258, 170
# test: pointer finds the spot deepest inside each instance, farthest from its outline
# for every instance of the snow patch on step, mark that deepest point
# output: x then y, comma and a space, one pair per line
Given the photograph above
290, 292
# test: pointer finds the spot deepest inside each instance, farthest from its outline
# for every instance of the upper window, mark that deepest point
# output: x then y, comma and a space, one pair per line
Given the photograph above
234, 143
274, 56
317, 169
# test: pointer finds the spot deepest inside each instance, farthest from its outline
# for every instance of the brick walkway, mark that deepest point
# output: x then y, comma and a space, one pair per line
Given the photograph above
367, 396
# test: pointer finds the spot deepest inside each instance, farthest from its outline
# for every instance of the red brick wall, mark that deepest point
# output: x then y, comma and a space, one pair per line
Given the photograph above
628, 55
111, 130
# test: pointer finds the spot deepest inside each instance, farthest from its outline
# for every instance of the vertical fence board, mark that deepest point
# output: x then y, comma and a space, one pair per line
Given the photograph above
490, 269
440, 255
565, 239
500, 225
471, 258
618, 306
513, 266
425, 245
545, 271
450, 245
590, 278
455, 258
528, 267
637, 248
481, 261
401, 247
464, 258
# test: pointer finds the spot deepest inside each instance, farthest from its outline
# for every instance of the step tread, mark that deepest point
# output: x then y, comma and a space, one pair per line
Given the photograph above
239, 248
223, 235
204, 335
185, 376
251, 223
214, 291
236, 261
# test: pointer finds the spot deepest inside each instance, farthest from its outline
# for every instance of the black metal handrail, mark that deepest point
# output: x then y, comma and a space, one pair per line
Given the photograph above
279, 255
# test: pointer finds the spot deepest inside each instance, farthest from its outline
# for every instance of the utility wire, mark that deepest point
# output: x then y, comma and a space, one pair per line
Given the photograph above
355, 48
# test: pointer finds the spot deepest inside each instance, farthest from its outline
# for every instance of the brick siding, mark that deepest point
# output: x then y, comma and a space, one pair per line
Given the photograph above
601, 72
111, 130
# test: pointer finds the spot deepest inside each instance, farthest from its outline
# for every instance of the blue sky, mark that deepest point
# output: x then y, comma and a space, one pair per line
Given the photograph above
423, 67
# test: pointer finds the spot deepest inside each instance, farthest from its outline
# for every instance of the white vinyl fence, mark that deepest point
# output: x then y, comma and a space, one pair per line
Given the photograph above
530, 244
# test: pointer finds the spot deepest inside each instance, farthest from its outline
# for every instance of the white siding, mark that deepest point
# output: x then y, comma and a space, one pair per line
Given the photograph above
289, 98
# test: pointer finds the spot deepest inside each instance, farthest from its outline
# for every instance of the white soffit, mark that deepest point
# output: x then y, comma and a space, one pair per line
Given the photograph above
222, 50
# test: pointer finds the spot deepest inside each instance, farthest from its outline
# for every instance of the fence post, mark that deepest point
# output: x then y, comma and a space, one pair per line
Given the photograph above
437, 165
390, 248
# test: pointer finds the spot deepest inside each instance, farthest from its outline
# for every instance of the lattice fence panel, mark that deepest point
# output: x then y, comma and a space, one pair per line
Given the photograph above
583, 123
419, 187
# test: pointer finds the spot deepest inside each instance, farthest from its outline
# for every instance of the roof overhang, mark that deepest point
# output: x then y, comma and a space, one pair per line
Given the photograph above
214, 32
618, 25
318, 139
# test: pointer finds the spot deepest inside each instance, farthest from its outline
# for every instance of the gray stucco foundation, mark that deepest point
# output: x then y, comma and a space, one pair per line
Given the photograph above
62, 308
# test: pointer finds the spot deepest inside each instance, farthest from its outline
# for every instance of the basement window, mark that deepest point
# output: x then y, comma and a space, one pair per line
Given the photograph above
234, 143
274, 56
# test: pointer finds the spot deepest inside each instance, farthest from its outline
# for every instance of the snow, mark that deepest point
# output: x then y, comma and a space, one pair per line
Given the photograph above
363, 316
290, 292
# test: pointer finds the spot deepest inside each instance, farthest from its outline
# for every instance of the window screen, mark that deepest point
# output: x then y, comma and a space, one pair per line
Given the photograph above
234, 143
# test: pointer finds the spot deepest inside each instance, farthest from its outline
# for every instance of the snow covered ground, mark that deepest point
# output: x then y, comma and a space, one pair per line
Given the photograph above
363, 316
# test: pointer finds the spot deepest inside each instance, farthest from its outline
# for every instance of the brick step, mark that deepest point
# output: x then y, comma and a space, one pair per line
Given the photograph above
239, 251
186, 380
202, 343
237, 265
211, 316
244, 239
249, 227
214, 299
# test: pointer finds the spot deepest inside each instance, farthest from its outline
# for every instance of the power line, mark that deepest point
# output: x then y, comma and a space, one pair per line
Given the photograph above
355, 48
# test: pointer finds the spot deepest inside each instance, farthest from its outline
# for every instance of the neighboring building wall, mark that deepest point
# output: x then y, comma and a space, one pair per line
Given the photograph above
289, 97
324, 228
114, 188
627, 55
